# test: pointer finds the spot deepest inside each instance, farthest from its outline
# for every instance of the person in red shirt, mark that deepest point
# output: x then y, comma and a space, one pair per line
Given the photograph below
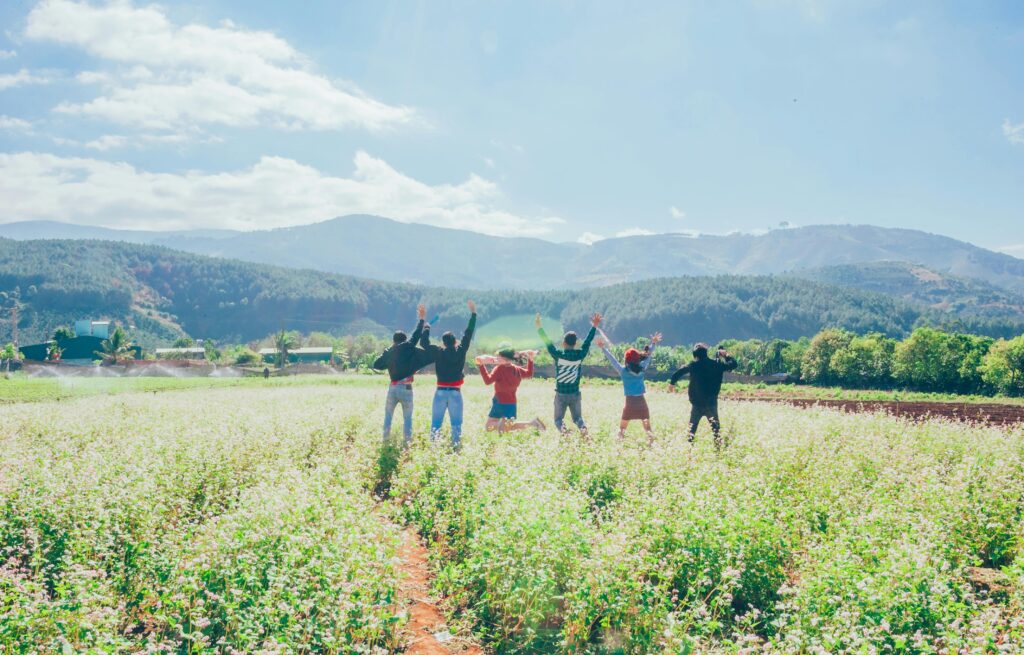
506, 376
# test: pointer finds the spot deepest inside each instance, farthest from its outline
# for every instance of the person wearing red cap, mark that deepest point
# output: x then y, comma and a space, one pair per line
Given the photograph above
632, 372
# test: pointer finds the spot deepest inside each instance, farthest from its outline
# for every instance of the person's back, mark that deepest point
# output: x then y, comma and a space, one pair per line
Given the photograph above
705, 385
450, 358
706, 379
402, 360
506, 378
450, 368
568, 370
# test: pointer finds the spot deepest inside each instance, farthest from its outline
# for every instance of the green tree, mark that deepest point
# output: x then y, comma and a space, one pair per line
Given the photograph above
284, 343
63, 334
184, 342
320, 340
793, 356
865, 361
116, 348
1002, 368
934, 360
210, 351
54, 351
816, 365
9, 354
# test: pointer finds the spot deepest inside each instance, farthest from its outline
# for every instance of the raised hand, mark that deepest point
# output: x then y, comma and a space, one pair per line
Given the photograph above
536, 320
472, 306
595, 320
600, 343
655, 338
421, 312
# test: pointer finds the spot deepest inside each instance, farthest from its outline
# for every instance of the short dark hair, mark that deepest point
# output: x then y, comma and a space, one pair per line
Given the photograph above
400, 337
570, 338
448, 339
700, 350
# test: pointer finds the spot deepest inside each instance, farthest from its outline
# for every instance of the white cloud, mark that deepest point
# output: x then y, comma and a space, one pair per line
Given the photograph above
1013, 133
275, 192
11, 124
589, 238
193, 75
115, 141
21, 78
634, 232
8, 54
489, 162
676, 212
108, 142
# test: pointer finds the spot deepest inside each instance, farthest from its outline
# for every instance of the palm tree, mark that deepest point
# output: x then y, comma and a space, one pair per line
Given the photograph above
116, 348
285, 342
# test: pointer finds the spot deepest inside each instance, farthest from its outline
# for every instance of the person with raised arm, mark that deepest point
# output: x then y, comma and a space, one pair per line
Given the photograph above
568, 371
450, 364
506, 376
633, 372
705, 383
402, 360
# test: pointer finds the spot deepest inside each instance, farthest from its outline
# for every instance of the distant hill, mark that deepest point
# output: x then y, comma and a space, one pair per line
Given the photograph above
378, 248
164, 293
916, 283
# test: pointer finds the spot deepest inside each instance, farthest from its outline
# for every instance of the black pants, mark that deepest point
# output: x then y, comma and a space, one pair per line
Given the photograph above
710, 411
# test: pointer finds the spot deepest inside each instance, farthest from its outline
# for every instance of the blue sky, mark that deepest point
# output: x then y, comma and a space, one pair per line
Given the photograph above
554, 119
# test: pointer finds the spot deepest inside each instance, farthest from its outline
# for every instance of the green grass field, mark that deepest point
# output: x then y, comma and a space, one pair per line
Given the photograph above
240, 517
517, 330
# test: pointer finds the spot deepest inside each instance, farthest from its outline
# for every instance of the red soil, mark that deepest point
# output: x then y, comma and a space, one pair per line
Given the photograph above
985, 413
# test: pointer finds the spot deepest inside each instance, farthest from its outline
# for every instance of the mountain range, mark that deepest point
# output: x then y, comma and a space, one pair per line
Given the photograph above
382, 249
164, 293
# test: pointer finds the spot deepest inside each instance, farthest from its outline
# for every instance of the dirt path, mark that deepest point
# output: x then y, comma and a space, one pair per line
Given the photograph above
426, 632
985, 413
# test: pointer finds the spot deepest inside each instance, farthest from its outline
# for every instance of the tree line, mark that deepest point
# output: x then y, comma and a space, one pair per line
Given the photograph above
928, 359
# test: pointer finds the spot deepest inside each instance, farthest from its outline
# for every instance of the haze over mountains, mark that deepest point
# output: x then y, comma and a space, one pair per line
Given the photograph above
937, 273
164, 293
382, 249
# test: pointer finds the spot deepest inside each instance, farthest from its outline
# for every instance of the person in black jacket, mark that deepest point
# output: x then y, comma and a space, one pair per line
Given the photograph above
402, 360
450, 364
705, 383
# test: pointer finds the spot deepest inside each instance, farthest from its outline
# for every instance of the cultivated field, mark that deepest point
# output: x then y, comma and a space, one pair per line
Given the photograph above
242, 518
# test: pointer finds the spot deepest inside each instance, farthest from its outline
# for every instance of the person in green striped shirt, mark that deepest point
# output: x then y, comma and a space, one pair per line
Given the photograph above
568, 371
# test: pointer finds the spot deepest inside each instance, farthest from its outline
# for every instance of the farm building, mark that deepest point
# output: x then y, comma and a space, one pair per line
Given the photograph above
79, 350
299, 355
88, 328
193, 352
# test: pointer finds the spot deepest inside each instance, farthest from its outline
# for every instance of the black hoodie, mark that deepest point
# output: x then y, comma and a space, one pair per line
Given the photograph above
705, 378
402, 360
450, 363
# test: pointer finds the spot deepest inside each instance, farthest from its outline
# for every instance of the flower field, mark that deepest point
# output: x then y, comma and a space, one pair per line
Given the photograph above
242, 519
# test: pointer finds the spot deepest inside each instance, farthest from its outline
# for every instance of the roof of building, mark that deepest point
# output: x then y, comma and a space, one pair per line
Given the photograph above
162, 351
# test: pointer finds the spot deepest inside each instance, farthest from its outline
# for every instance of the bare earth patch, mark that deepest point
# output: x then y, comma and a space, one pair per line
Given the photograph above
426, 632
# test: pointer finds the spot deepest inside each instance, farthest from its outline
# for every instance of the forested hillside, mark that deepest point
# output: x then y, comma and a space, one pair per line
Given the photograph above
382, 249
164, 293
916, 283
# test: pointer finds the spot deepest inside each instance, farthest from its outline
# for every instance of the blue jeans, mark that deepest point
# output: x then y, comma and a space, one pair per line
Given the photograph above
399, 394
447, 399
